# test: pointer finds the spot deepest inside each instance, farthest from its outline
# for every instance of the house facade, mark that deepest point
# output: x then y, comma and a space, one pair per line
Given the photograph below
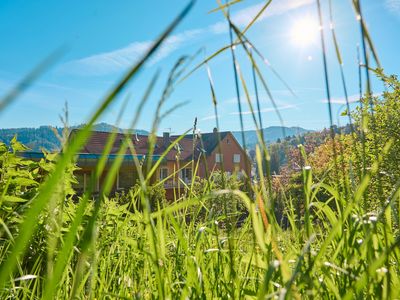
176, 167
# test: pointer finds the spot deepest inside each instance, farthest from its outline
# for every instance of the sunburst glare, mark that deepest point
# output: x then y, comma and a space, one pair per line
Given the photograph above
304, 31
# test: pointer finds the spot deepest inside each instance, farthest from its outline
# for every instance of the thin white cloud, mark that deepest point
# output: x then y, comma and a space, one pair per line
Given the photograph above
263, 98
209, 118
117, 60
120, 59
393, 6
342, 100
352, 99
227, 103
244, 16
218, 28
108, 62
276, 8
265, 110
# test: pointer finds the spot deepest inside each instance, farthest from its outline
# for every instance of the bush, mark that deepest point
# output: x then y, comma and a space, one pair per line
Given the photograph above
225, 207
381, 126
132, 197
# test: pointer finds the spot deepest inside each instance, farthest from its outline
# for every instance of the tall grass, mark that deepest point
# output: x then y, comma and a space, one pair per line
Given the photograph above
120, 247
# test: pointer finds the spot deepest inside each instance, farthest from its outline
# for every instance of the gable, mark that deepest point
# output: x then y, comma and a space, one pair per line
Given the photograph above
233, 143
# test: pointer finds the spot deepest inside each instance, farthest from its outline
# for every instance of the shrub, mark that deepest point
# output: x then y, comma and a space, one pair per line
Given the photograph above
132, 197
216, 205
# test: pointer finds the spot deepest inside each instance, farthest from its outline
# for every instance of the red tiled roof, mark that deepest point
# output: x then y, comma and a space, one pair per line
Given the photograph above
98, 140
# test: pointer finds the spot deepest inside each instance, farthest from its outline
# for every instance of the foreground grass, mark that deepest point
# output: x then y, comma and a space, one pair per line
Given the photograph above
138, 254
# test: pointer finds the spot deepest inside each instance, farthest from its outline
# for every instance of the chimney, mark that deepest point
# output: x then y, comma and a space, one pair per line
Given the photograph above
166, 139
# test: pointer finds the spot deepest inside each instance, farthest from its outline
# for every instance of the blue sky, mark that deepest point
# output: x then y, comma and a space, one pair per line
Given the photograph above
104, 38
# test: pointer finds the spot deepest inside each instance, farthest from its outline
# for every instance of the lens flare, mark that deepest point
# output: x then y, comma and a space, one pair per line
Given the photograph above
304, 32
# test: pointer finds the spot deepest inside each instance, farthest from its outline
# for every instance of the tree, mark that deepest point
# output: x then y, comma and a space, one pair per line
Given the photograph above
274, 152
380, 118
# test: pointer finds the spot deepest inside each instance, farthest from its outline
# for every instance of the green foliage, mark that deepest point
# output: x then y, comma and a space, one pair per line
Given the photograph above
356, 153
381, 126
132, 198
20, 181
275, 160
218, 206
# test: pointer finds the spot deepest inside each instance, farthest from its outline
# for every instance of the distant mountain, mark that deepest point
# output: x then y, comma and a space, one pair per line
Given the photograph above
109, 128
271, 134
34, 138
44, 137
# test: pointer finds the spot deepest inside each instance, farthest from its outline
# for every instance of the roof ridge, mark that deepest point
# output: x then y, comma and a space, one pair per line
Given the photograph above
191, 134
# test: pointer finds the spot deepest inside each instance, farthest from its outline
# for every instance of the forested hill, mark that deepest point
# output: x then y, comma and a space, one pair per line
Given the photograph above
44, 137
271, 134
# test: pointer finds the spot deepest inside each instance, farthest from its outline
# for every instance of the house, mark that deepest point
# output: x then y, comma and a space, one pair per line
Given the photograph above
175, 168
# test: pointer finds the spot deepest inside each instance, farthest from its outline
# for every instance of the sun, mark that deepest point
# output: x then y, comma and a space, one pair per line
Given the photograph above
304, 31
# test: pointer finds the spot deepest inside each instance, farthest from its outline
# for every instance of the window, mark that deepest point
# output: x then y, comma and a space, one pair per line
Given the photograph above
126, 178
218, 157
82, 179
236, 158
186, 174
178, 147
163, 173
